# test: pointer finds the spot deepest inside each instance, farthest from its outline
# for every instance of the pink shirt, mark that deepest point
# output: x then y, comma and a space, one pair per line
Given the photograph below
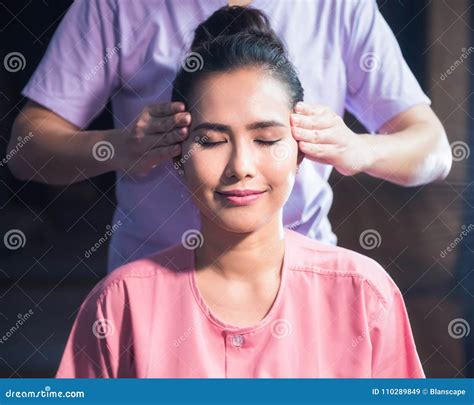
337, 314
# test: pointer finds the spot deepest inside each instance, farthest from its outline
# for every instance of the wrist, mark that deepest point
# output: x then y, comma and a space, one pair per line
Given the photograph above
112, 137
368, 149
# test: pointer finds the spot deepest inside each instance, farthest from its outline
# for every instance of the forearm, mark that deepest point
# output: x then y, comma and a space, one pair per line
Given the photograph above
410, 157
57, 156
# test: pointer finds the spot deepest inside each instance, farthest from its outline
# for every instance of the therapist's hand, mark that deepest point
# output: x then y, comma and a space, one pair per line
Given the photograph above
323, 137
155, 136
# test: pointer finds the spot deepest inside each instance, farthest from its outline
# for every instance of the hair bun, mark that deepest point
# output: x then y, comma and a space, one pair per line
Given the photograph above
233, 20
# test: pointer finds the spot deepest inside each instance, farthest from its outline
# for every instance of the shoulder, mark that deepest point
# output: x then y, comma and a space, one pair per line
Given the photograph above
335, 262
137, 277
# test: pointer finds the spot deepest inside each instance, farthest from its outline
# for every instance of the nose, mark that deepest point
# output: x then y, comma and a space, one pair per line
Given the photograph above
241, 162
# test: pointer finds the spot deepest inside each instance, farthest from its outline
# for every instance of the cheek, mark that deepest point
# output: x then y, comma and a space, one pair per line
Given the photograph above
286, 169
201, 168
282, 159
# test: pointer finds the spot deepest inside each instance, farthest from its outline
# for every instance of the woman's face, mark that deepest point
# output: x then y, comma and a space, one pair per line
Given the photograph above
240, 139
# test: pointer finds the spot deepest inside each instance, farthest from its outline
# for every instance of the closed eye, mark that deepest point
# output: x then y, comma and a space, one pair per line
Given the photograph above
262, 143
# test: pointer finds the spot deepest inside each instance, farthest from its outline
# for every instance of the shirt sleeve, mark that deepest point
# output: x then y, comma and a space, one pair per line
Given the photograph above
380, 83
79, 70
394, 352
99, 345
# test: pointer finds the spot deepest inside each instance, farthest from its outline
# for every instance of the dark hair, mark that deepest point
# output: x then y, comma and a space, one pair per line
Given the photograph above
234, 37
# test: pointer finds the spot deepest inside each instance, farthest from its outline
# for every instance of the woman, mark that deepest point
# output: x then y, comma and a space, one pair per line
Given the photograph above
242, 296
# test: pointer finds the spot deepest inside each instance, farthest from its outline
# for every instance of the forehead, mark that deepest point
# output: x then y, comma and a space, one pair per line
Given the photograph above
241, 95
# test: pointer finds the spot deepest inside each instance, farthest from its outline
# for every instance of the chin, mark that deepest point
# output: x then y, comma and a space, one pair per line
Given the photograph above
232, 223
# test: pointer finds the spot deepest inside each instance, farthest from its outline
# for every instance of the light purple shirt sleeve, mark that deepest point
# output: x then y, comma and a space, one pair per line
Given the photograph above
380, 85
79, 71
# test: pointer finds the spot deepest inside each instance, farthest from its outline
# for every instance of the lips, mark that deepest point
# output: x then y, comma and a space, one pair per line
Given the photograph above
241, 197
240, 193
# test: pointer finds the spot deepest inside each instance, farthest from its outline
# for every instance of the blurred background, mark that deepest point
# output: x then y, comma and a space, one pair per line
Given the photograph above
423, 236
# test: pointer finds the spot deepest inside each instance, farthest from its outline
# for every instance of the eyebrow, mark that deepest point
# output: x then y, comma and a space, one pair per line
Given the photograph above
213, 126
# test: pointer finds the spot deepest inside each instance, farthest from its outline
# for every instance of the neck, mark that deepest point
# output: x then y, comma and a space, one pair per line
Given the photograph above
241, 256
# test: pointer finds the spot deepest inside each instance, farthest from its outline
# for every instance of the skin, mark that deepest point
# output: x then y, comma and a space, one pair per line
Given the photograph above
239, 263
411, 149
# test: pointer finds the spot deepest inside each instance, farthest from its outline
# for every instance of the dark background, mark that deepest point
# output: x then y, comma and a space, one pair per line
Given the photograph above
50, 277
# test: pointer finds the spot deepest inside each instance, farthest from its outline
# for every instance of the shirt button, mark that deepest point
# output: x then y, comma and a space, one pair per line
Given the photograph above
237, 340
